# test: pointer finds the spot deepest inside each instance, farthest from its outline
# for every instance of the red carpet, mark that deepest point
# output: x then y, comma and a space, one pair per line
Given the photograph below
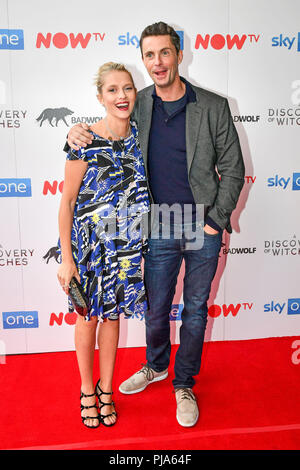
248, 394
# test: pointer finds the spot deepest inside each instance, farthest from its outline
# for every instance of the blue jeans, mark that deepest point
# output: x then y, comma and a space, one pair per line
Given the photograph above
162, 265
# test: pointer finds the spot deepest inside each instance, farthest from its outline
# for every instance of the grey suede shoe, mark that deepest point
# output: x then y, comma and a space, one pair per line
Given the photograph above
187, 410
141, 379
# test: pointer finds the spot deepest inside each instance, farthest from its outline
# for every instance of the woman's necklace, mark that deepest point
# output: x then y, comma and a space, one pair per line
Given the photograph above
118, 137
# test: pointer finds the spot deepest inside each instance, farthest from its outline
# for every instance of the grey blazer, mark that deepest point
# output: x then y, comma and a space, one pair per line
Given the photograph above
214, 159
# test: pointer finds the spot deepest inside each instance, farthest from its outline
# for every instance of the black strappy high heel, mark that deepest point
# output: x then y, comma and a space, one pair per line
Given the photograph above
100, 392
83, 407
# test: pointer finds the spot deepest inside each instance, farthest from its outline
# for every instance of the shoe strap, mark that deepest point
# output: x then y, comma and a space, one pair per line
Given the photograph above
83, 395
99, 391
83, 407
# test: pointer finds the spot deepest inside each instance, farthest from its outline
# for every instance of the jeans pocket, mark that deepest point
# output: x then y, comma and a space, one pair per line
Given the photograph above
212, 244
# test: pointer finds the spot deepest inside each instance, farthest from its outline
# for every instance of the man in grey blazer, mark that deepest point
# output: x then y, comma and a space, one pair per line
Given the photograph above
193, 159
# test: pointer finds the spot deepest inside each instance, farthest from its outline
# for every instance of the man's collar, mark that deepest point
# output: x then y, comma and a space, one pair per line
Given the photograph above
189, 92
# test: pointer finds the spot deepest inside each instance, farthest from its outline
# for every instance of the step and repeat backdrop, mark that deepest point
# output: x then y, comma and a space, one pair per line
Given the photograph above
246, 50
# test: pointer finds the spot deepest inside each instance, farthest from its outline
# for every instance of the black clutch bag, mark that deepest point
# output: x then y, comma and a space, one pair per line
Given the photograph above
78, 297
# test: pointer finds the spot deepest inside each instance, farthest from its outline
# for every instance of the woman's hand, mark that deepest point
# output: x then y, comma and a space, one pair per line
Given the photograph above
79, 136
66, 271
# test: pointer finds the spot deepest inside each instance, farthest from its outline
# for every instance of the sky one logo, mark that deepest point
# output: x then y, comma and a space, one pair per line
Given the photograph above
12, 39
282, 183
293, 307
130, 39
287, 42
218, 41
20, 319
15, 187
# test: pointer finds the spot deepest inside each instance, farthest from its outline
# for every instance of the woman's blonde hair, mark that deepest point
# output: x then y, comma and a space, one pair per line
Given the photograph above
106, 68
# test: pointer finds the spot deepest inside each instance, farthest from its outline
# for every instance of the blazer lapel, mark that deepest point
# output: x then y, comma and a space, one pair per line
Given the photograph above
144, 124
193, 119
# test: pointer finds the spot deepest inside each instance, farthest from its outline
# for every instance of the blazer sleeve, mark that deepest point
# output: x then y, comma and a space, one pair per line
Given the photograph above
230, 167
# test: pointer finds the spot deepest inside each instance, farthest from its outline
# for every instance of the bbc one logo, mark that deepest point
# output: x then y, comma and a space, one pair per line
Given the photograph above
287, 42
228, 41
15, 187
21, 319
129, 39
281, 182
11, 39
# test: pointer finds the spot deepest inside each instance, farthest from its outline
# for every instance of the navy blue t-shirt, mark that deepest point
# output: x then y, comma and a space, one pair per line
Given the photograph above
167, 164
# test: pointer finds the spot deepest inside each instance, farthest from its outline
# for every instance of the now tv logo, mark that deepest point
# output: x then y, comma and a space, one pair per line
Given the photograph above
62, 40
218, 41
52, 187
69, 318
215, 311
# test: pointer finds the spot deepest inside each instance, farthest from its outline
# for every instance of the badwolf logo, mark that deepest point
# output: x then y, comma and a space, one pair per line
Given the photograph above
57, 114
246, 118
11, 39
51, 253
239, 251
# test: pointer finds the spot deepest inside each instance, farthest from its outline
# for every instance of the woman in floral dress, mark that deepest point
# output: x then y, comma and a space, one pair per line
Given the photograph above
103, 206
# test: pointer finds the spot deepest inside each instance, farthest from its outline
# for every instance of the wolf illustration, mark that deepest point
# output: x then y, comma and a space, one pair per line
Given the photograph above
58, 114
51, 253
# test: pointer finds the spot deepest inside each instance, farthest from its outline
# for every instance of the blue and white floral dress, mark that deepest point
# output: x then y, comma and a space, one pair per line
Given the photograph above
107, 234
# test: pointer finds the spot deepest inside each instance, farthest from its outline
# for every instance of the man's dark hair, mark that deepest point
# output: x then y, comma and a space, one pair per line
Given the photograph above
161, 29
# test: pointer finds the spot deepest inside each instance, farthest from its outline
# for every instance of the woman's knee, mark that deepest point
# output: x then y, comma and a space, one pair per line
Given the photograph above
90, 324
